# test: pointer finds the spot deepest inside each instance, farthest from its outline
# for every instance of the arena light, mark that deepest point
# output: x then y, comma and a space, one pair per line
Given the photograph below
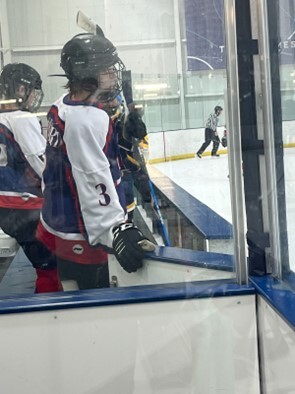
10, 101
40, 113
151, 86
150, 95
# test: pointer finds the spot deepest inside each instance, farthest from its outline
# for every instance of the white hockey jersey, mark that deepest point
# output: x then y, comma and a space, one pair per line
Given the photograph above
83, 199
22, 148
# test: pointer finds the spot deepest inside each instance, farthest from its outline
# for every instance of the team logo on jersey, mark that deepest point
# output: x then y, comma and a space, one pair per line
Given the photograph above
53, 136
3, 155
78, 249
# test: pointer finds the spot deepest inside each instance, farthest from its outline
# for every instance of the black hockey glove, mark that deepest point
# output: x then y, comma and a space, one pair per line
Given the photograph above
141, 182
224, 142
134, 127
127, 245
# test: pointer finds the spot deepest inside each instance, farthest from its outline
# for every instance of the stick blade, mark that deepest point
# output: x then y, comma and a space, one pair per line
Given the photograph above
147, 245
85, 23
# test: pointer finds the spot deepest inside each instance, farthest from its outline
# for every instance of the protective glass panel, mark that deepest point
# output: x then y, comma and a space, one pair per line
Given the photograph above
287, 80
155, 153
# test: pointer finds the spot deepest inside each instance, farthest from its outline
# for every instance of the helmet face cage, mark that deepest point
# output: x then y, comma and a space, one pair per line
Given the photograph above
85, 58
34, 100
105, 94
22, 83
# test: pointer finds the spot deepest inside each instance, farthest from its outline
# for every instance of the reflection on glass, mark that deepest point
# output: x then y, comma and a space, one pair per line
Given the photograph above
178, 78
287, 79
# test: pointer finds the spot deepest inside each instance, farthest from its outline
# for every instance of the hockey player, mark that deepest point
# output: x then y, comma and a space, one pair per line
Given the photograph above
131, 131
117, 112
82, 215
211, 134
22, 149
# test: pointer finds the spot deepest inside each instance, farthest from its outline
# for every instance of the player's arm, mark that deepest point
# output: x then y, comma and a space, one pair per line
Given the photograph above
103, 216
27, 133
85, 138
126, 154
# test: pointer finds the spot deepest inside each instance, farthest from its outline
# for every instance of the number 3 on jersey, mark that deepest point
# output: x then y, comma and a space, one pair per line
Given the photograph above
102, 192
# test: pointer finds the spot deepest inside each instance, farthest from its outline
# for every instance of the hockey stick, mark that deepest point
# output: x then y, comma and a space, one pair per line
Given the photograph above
87, 24
161, 223
1, 45
127, 86
128, 94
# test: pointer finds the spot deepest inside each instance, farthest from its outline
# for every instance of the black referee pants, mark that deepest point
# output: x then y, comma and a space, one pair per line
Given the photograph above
210, 137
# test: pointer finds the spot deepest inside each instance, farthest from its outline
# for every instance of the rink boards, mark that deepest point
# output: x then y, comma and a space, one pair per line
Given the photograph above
179, 325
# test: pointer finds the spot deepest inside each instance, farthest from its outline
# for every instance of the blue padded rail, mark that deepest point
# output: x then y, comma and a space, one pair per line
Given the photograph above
124, 295
209, 223
195, 258
279, 294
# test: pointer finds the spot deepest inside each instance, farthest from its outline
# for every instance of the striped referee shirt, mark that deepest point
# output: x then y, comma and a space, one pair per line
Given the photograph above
212, 122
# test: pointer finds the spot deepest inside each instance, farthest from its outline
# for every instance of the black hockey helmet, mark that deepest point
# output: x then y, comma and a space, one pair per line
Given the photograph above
17, 82
85, 56
218, 109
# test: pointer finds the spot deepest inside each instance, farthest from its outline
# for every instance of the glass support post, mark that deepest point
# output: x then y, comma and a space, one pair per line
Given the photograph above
273, 143
234, 148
